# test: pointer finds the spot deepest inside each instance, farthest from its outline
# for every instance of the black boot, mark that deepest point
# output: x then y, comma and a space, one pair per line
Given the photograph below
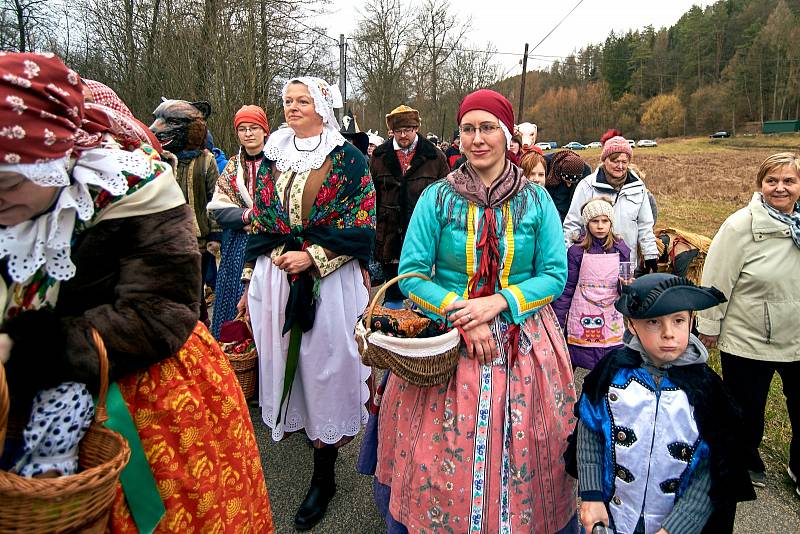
322, 490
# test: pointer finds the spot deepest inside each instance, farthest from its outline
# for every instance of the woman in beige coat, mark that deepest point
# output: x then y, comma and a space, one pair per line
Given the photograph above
755, 260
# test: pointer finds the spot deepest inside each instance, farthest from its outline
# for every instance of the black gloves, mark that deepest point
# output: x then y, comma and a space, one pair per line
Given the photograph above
651, 266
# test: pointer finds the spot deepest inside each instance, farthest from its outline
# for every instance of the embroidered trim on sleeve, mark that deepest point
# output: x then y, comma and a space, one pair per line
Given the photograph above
324, 265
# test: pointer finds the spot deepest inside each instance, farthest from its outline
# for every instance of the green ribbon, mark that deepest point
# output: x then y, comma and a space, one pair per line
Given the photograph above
137, 479
292, 360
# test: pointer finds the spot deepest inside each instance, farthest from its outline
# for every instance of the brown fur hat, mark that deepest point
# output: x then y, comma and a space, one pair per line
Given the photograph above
403, 117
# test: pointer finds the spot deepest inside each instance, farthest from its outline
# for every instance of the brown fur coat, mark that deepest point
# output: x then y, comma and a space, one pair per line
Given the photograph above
137, 283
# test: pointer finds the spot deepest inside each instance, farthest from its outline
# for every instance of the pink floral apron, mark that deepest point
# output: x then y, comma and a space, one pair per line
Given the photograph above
593, 321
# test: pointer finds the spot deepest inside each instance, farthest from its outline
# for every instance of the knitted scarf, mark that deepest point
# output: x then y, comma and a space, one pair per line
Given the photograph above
791, 220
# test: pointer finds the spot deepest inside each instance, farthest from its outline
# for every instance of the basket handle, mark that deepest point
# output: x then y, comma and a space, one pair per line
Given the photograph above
379, 295
242, 316
100, 414
4, 405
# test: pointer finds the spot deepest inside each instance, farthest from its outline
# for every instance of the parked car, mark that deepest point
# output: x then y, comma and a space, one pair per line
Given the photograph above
631, 142
574, 145
543, 146
595, 144
722, 133
553, 144
646, 143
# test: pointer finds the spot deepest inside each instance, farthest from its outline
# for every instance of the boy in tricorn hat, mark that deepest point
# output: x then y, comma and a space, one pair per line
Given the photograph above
655, 443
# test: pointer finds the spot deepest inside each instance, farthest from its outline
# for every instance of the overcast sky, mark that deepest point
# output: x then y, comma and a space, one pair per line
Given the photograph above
509, 24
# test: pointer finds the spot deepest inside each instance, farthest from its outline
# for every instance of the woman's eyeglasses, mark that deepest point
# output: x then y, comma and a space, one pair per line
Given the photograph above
249, 129
485, 129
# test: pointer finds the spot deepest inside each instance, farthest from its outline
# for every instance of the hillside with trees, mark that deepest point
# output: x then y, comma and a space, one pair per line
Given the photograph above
733, 63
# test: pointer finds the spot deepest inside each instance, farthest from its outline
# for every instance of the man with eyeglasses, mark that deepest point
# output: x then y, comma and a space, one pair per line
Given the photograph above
401, 169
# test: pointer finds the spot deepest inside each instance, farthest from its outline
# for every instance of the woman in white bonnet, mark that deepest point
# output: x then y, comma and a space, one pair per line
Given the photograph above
313, 229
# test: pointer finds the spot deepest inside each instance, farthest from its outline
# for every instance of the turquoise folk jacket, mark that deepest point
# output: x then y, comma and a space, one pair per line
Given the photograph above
441, 243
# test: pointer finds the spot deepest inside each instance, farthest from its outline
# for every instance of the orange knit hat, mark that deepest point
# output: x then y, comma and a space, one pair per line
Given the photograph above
252, 114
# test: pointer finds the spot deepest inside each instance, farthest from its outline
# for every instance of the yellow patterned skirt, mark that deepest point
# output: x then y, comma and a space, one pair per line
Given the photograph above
197, 435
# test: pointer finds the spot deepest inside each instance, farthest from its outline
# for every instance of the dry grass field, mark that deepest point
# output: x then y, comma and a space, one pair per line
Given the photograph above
698, 182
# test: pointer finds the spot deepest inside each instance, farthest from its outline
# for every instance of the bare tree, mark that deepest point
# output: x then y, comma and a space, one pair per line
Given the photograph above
381, 55
24, 24
440, 32
229, 53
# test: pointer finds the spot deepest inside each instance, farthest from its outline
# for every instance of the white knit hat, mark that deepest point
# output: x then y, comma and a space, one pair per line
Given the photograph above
597, 207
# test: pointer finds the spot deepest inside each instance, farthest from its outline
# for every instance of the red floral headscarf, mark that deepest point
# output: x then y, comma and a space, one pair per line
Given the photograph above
42, 116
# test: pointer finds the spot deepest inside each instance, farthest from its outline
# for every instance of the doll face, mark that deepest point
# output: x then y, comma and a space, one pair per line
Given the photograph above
21, 199
664, 338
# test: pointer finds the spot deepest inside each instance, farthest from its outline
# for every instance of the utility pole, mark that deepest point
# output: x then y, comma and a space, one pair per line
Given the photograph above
522, 84
342, 73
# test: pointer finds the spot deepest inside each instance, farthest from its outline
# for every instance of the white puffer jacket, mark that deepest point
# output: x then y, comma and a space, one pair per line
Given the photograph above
633, 217
755, 263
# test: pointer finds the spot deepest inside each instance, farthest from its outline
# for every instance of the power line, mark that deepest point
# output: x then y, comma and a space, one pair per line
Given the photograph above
317, 31
557, 25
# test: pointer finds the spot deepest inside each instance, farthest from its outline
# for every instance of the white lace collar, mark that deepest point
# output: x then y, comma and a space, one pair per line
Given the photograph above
282, 148
46, 240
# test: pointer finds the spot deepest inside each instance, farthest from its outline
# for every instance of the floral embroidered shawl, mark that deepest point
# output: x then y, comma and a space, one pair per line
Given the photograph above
342, 219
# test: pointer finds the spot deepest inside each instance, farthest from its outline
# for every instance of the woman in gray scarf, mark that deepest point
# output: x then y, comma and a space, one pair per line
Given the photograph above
754, 260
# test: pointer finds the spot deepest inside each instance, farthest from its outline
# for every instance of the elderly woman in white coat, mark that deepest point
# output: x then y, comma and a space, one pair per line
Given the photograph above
755, 260
633, 215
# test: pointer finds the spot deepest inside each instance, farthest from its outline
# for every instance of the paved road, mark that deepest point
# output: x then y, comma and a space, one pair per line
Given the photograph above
288, 467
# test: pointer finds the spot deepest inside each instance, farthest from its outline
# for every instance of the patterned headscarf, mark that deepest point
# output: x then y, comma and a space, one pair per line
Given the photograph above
126, 128
41, 108
565, 165
45, 129
106, 96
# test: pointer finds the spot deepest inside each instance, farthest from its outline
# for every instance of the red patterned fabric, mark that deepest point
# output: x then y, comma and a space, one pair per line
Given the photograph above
106, 96
405, 159
127, 130
124, 125
41, 109
196, 432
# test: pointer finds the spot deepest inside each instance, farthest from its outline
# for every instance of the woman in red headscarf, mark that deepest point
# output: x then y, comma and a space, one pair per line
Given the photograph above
483, 452
97, 237
232, 208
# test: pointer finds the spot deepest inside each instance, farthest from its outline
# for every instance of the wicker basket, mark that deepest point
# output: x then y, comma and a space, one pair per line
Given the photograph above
419, 361
74, 503
243, 363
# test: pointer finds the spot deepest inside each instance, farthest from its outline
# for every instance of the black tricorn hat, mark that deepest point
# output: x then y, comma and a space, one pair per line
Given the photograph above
657, 294
353, 133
